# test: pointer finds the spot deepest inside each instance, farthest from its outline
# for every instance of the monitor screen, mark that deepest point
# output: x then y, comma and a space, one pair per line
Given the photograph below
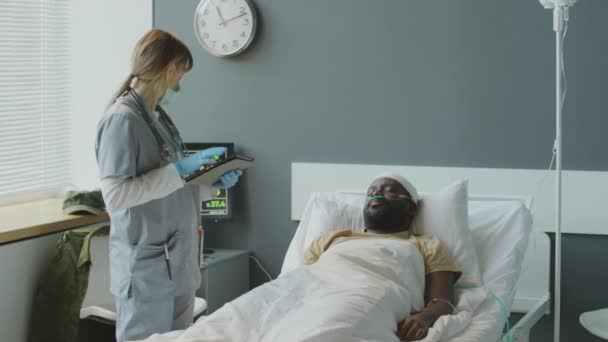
220, 206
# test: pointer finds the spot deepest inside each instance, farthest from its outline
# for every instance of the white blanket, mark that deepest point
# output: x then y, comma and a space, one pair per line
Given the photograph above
358, 291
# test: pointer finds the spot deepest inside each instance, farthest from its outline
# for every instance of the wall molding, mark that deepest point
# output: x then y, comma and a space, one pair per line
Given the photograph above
585, 206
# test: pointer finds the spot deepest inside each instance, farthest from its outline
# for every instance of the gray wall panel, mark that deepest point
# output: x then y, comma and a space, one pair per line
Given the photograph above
417, 82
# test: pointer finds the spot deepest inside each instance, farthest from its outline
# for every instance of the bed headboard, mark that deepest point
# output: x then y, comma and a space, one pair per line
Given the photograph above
484, 184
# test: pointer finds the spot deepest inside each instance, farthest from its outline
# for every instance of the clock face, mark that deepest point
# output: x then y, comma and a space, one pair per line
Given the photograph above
225, 27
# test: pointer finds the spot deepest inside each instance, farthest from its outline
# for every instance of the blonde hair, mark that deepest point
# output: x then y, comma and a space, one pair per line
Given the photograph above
152, 54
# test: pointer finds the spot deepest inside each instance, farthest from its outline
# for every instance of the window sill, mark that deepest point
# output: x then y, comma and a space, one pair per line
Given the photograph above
38, 218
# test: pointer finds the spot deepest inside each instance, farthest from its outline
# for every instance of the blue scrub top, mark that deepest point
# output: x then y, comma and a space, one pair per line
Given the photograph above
126, 147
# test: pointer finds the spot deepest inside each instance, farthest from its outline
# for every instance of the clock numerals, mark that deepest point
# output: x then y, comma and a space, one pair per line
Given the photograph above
206, 12
235, 43
243, 10
203, 23
243, 34
213, 43
246, 22
224, 47
206, 35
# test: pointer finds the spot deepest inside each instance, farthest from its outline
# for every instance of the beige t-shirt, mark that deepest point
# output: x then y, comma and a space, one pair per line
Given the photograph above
436, 256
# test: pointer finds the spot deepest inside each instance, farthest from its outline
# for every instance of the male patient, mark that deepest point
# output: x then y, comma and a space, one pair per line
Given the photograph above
390, 208
354, 291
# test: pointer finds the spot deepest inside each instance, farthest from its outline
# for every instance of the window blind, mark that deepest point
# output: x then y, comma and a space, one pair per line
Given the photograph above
35, 96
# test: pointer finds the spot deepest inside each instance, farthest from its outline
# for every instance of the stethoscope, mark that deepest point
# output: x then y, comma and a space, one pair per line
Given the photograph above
165, 151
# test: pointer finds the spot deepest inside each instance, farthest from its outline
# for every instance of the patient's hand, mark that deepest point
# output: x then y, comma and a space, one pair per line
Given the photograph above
414, 327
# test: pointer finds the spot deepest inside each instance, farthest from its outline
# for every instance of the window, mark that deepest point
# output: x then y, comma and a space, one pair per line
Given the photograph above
35, 97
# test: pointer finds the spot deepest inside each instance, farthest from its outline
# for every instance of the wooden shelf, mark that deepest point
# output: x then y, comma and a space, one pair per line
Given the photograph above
33, 219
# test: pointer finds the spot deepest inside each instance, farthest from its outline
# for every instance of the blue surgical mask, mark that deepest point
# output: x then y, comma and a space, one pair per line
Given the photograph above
169, 95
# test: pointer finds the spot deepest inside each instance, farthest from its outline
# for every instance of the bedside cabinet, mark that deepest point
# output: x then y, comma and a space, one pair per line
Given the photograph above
224, 277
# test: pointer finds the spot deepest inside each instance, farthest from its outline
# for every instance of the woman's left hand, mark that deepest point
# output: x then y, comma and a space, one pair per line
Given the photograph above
414, 327
228, 179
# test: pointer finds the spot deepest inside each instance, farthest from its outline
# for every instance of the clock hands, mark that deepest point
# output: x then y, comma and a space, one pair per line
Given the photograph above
220, 14
233, 18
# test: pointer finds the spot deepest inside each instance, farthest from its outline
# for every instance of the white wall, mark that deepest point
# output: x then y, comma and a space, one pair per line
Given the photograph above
104, 34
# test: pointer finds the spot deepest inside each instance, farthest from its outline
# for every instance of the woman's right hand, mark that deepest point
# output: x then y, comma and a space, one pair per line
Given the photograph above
194, 161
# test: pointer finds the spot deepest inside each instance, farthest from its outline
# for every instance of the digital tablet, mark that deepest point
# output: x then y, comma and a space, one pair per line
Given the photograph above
210, 174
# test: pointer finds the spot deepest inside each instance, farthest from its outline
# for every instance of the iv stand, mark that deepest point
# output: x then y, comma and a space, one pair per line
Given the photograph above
560, 16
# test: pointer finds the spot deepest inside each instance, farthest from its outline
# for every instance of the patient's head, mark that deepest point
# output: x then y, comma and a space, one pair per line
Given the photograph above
389, 206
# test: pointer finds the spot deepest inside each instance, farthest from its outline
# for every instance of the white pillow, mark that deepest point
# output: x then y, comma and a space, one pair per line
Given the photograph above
443, 214
329, 213
500, 231
324, 212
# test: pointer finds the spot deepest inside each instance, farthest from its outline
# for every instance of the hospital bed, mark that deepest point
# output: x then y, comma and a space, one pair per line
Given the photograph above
500, 226
514, 257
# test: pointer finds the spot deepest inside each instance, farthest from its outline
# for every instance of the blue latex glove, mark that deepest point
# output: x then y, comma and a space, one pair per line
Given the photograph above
228, 179
194, 161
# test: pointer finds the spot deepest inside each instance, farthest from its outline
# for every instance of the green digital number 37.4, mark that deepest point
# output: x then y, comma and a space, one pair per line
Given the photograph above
216, 204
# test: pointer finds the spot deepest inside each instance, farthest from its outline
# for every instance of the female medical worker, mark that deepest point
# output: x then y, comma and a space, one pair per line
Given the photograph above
154, 214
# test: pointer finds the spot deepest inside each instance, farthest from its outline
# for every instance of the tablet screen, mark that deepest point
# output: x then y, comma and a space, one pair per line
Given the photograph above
220, 206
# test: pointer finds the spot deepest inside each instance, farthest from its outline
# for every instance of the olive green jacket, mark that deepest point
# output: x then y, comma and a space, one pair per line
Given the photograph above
62, 287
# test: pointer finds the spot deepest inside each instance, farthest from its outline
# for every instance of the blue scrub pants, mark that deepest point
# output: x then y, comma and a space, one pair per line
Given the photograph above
137, 320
